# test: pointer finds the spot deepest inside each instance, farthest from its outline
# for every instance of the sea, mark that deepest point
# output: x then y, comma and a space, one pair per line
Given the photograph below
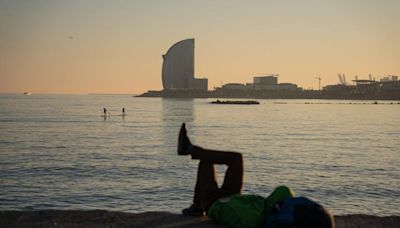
60, 152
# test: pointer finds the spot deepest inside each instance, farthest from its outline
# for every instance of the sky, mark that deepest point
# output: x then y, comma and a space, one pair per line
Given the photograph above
99, 46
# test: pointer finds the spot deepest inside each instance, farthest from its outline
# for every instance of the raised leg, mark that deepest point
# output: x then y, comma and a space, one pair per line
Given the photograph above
206, 188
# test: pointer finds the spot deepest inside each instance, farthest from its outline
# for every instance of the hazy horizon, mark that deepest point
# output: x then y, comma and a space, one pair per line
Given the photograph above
104, 47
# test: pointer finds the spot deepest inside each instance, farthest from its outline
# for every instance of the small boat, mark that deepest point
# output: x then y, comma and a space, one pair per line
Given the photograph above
248, 102
27, 93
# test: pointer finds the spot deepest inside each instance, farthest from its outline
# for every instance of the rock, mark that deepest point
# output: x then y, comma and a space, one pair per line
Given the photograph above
99, 218
109, 219
353, 221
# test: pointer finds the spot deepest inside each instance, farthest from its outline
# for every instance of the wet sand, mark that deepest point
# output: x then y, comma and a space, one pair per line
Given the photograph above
100, 218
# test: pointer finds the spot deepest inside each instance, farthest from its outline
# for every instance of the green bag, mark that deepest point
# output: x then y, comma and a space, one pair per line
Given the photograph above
246, 210
238, 211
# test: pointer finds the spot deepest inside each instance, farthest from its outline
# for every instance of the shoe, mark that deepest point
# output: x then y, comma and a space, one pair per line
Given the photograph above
193, 211
183, 141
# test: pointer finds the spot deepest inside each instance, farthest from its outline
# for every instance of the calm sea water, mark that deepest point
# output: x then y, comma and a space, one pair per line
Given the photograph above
57, 152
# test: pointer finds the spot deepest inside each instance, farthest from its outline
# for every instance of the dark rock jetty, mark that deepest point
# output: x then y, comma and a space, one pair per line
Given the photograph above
248, 102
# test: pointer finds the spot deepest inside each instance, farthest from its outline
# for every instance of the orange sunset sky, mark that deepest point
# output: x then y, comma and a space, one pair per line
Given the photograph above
99, 46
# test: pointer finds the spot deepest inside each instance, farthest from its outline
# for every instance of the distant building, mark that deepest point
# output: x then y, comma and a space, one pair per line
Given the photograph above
270, 82
287, 86
390, 78
178, 68
234, 86
390, 84
198, 83
266, 80
339, 88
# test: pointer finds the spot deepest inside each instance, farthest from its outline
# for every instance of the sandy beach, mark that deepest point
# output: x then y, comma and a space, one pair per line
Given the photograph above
100, 218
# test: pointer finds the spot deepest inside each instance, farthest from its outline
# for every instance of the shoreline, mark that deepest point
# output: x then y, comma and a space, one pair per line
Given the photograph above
102, 218
249, 94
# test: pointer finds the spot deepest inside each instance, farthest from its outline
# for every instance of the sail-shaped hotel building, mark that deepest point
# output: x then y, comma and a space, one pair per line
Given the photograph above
178, 68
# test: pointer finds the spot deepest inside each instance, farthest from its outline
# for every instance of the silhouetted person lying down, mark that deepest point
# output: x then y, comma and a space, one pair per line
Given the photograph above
227, 206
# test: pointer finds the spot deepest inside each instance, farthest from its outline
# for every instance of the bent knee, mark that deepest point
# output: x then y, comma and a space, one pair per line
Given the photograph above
237, 158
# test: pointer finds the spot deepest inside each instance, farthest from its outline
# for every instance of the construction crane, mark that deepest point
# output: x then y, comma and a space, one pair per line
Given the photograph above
341, 82
319, 82
342, 79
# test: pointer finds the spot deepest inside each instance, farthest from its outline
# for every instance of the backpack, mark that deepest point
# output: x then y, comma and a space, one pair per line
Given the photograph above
283, 213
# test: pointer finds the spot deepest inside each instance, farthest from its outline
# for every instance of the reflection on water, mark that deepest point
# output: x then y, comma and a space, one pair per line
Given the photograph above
178, 110
174, 112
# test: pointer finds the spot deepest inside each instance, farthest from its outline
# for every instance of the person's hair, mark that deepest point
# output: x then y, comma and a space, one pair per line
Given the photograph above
312, 216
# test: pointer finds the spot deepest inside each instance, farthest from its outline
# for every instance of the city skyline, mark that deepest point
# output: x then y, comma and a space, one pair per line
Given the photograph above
104, 47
